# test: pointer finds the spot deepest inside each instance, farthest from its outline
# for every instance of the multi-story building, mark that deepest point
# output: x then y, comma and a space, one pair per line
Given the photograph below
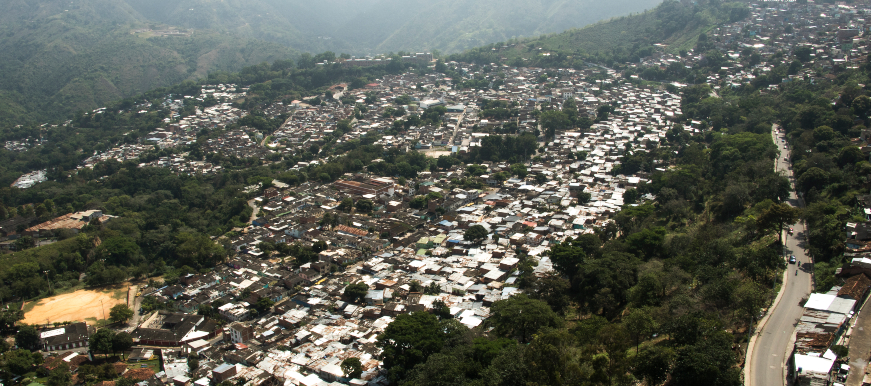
240, 333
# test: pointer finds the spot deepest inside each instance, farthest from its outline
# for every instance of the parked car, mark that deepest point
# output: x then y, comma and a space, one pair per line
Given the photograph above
792, 259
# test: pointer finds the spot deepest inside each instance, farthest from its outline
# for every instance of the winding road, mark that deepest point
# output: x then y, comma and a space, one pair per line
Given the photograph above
770, 346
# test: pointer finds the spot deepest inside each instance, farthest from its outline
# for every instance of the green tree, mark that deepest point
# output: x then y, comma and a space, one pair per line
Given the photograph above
119, 250
823, 133
27, 337
445, 162
749, 298
552, 358
646, 243
8, 318
263, 304
60, 375
418, 202
441, 310
364, 206
197, 250
21, 361
519, 170
708, 362
440, 369
352, 367
24, 242
101, 341
120, 313
520, 317
639, 324
408, 341
475, 233
346, 205
653, 364
861, 106
356, 292
121, 342
554, 290
476, 170
567, 258
552, 121
630, 196
193, 363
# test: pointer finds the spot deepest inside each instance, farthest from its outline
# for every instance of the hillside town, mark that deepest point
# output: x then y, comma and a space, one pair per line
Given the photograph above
387, 246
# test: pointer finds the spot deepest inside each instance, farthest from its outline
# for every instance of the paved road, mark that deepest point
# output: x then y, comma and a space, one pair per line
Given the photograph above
137, 304
774, 341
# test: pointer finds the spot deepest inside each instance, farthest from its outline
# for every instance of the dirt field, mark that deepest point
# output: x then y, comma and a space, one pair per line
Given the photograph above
76, 306
435, 153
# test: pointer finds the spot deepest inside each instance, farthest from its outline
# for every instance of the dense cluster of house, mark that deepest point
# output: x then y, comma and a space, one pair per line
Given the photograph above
830, 33
180, 131
415, 258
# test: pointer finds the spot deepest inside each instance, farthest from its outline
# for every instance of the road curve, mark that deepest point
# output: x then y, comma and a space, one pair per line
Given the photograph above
774, 340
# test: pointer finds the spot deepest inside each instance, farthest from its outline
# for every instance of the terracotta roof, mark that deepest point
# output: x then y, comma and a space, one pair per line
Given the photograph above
353, 231
855, 287
139, 374
120, 367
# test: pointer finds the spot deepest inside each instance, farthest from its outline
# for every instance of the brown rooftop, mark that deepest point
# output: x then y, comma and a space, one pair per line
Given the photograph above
855, 287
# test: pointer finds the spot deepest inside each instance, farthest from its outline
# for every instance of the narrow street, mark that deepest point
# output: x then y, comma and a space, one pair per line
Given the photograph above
134, 305
768, 349
253, 205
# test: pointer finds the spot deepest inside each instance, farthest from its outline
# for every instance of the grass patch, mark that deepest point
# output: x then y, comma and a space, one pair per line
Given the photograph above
30, 305
153, 364
119, 293
66, 290
98, 322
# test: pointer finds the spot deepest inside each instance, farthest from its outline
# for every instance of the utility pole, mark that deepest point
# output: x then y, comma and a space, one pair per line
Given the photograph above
48, 280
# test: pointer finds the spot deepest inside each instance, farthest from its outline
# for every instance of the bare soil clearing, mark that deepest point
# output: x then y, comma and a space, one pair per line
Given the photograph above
77, 306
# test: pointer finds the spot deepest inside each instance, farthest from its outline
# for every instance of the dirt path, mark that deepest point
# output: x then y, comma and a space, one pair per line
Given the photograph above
252, 204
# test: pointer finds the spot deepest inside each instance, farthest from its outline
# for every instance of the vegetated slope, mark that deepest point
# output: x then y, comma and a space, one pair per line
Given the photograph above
379, 26
303, 25
60, 58
623, 39
456, 25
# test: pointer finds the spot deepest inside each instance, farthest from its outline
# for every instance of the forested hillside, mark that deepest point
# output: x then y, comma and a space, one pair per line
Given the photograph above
303, 25
381, 26
62, 57
455, 25
620, 40
58, 61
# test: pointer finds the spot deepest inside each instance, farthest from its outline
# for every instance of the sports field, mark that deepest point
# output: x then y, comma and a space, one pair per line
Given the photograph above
76, 306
